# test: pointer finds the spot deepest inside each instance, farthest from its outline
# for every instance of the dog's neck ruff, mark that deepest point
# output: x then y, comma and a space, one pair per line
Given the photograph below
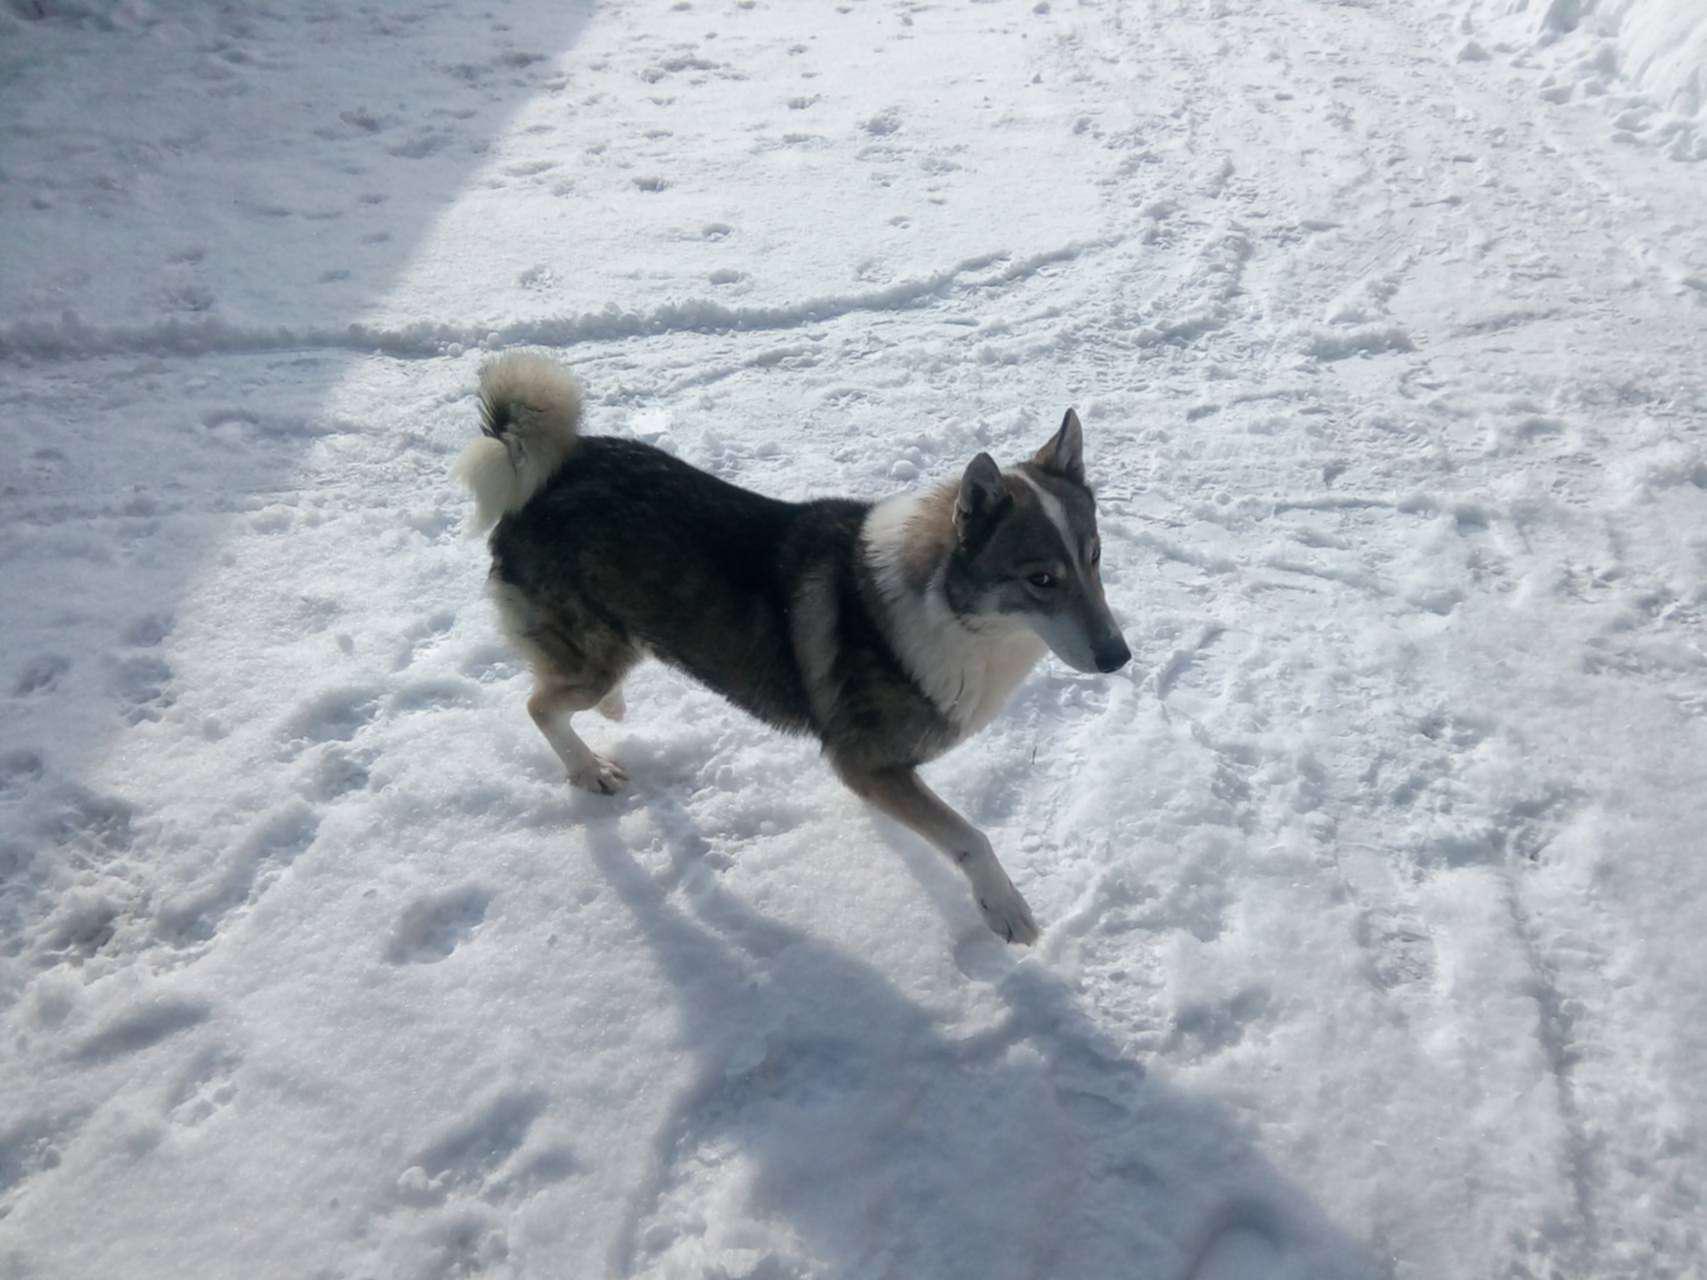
967, 667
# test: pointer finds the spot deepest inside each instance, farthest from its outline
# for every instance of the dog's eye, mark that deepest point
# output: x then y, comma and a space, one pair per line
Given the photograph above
1096, 553
1042, 581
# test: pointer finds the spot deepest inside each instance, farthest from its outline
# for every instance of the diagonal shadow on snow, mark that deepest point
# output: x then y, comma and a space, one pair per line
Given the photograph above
215, 161
833, 1126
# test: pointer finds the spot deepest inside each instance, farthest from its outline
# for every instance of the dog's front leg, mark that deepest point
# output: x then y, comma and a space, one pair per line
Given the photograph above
900, 794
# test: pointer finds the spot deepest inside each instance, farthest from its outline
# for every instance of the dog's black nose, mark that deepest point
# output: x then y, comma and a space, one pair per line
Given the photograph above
1112, 657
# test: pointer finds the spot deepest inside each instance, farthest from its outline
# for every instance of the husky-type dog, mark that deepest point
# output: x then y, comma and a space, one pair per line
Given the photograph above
892, 630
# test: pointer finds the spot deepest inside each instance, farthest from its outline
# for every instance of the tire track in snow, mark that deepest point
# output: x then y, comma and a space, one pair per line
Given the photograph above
1555, 1030
70, 339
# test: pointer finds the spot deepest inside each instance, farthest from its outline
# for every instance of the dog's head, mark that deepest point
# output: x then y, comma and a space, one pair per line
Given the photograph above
1026, 548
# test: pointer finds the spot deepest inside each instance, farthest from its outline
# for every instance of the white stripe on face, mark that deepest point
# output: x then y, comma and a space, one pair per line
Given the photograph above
1057, 516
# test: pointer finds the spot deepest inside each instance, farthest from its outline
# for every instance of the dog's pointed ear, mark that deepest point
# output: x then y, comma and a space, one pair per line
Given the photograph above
981, 496
1064, 455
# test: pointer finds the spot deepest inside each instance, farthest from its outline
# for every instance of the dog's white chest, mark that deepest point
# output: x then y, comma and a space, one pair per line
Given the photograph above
989, 672
967, 670
968, 674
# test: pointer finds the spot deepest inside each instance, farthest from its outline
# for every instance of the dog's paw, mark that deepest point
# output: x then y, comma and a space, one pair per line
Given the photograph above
600, 776
1006, 912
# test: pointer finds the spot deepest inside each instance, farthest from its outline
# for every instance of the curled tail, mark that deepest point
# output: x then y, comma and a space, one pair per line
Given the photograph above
530, 417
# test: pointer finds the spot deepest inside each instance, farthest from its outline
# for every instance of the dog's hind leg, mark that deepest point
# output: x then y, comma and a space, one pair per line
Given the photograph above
577, 664
553, 702
899, 793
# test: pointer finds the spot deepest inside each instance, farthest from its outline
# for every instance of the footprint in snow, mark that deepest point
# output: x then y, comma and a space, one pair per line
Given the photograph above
1398, 948
141, 1027
80, 926
493, 1156
41, 674
19, 768
464, 1243
422, 635
490, 662
242, 876
469, 1152
336, 772
434, 925
148, 631
90, 828
1240, 1248
883, 123
204, 1089
1204, 1028
143, 682
436, 694
30, 1147
333, 715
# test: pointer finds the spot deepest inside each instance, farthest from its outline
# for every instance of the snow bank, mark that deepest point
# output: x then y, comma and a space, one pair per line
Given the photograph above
1656, 46
1661, 44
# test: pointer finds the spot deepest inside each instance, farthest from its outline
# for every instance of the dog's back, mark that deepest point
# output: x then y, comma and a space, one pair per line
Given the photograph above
627, 546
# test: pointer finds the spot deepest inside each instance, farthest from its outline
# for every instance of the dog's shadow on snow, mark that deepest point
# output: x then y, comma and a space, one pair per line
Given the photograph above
833, 1126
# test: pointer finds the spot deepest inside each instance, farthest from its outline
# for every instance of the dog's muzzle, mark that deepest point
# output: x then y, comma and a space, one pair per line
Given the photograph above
1112, 656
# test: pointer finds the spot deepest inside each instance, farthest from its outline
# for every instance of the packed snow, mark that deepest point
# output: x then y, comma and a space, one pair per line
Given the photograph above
1371, 891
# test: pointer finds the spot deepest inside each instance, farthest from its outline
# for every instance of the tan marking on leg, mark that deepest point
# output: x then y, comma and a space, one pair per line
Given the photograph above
900, 794
613, 706
551, 706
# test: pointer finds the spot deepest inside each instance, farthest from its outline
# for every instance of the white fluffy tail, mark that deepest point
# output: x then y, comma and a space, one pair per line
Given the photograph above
530, 414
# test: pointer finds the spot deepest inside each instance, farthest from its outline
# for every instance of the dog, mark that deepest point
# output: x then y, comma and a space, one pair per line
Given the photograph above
890, 630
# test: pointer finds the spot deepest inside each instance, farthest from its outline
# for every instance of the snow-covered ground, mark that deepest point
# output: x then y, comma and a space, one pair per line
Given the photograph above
1372, 890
